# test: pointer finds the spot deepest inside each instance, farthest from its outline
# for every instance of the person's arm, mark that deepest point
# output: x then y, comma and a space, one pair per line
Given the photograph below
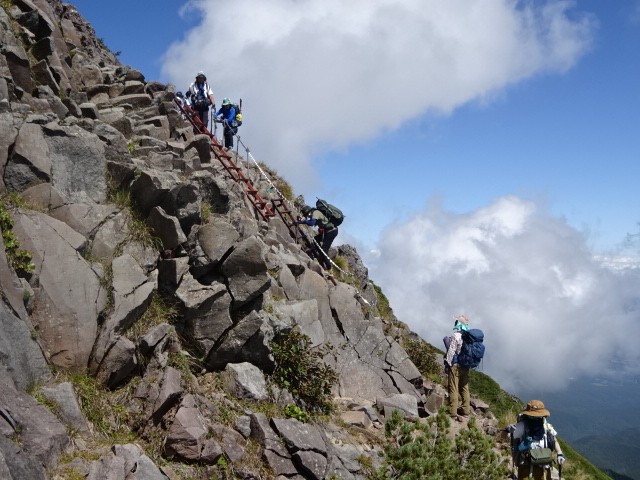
558, 449
309, 221
210, 95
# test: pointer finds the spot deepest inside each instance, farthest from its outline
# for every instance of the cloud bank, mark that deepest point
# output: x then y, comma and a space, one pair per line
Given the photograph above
321, 74
549, 310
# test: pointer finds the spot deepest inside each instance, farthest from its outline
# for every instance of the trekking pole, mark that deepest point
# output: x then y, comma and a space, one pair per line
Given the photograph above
559, 471
513, 454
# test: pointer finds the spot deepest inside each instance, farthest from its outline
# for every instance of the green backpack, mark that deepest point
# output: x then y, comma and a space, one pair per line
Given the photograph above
333, 213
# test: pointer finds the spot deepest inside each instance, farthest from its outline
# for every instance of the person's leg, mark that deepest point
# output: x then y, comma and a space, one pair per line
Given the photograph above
204, 116
463, 375
453, 390
228, 137
327, 240
523, 472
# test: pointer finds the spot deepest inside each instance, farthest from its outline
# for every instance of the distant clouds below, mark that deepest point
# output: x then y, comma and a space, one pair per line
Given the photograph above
549, 310
322, 74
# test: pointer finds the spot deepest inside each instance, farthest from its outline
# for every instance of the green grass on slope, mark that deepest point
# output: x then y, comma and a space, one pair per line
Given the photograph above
501, 403
576, 463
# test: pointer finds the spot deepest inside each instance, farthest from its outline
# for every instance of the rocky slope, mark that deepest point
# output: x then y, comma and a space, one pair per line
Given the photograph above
141, 291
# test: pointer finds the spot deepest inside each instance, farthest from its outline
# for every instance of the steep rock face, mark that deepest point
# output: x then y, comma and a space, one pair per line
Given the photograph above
69, 295
150, 265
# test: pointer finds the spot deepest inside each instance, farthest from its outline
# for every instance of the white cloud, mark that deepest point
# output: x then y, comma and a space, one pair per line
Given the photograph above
320, 74
548, 308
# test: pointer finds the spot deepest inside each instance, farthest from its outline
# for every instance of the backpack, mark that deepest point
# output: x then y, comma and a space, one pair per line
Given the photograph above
472, 349
333, 213
199, 101
538, 443
238, 113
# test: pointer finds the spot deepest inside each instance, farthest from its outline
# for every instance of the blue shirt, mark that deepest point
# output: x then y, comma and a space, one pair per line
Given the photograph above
230, 116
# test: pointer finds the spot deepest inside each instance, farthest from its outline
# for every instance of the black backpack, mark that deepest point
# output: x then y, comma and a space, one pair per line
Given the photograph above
472, 349
333, 213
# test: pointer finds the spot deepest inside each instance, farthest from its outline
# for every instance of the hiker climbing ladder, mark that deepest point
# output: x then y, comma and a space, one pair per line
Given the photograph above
266, 211
229, 164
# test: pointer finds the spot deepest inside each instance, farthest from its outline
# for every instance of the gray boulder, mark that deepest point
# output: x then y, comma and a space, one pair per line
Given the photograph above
132, 294
217, 238
231, 348
246, 271
206, 310
107, 468
187, 433
150, 188
307, 446
78, 162
30, 163
244, 380
404, 403
274, 452
84, 218
41, 436
19, 353
68, 408
166, 228
110, 235
118, 363
44, 197
69, 297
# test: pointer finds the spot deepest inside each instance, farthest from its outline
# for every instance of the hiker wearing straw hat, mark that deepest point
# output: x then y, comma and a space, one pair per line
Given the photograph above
458, 376
533, 442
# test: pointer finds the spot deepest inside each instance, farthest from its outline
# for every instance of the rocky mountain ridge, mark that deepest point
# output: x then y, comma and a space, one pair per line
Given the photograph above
142, 293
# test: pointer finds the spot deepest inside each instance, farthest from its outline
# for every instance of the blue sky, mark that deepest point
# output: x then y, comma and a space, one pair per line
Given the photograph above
483, 151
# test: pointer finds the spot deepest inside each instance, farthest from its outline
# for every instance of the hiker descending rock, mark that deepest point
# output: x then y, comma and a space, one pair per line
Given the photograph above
327, 218
458, 377
533, 442
227, 115
202, 97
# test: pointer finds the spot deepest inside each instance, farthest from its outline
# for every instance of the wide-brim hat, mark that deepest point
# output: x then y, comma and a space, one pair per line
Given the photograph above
535, 408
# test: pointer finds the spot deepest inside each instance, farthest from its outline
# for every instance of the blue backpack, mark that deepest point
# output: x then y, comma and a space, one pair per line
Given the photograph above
472, 349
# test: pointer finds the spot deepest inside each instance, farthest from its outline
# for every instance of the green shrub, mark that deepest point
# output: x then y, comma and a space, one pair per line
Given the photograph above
300, 369
19, 259
382, 304
415, 451
294, 411
423, 357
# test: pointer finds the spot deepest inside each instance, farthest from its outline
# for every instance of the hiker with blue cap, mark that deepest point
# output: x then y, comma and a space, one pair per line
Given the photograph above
227, 116
458, 377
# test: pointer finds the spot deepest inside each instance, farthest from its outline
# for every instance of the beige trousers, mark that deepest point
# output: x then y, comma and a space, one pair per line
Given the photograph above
458, 388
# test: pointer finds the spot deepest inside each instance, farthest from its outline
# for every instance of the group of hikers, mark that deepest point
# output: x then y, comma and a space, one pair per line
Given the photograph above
200, 99
324, 216
533, 438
